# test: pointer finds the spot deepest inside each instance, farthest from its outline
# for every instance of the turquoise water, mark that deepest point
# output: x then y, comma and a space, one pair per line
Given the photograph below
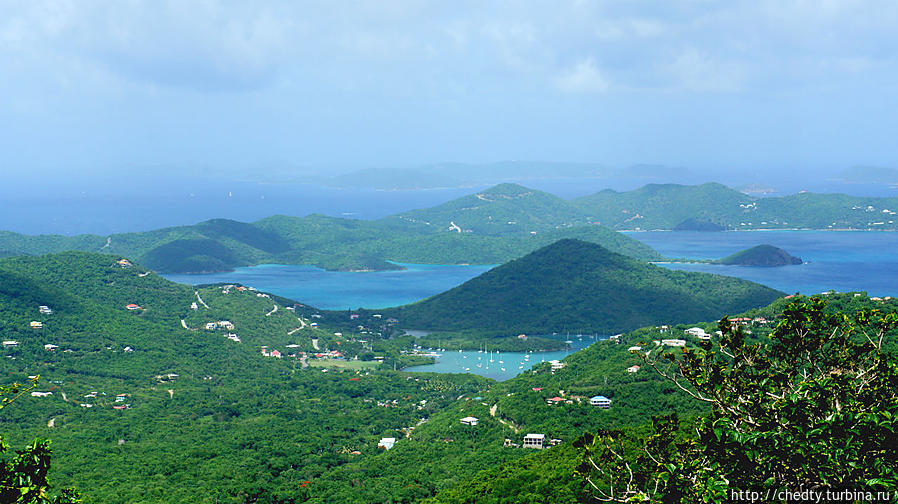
845, 261
498, 365
842, 260
342, 290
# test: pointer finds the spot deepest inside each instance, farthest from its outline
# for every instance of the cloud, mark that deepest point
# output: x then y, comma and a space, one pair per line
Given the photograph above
584, 77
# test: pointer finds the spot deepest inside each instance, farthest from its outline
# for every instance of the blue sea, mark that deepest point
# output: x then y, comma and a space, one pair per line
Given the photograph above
845, 261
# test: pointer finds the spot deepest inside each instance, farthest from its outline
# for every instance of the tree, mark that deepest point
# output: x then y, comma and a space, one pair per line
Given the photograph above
813, 408
23, 477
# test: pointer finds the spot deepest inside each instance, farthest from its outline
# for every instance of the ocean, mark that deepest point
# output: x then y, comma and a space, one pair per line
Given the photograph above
845, 261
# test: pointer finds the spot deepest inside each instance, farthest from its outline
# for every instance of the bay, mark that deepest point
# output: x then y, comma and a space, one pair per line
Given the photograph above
344, 290
845, 261
499, 365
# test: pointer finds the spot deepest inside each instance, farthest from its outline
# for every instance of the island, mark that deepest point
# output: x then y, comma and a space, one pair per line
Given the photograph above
766, 256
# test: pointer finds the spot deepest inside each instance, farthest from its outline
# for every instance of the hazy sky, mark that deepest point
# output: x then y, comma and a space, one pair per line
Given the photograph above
95, 86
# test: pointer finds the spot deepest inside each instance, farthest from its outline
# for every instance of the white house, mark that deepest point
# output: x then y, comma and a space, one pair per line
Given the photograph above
556, 365
534, 441
41, 394
50, 347
386, 443
673, 342
634, 349
45, 310
469, 420
10, 343
633, 369
600, 401
37, 325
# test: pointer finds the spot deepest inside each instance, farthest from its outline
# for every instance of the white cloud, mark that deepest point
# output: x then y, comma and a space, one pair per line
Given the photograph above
584, 77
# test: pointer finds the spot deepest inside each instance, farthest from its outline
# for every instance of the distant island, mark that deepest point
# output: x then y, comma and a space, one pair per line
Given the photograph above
487, 227
761, 255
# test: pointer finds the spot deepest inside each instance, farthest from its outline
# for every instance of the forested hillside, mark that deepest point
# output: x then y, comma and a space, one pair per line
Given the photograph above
573, 285
339, 244
146, 403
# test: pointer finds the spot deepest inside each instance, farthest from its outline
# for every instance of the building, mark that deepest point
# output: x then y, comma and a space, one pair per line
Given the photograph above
45, 310
469, 421
633, 369
600, 401
673, 342
132, 306
36, 325
556, 365
534, 441
386, 443
50, 347
634, 349
275, 353
41, 394
10, 343
555, 400
128, 349
124, 263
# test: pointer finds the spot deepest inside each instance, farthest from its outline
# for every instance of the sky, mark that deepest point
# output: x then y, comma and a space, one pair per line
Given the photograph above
101, 87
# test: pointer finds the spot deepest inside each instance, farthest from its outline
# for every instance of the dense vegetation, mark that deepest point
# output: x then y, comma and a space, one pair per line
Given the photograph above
203, 418
577, 286
761, 255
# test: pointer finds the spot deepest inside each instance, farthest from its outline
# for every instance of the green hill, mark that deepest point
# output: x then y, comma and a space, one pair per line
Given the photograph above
572, 285
346, 244
503, 209
761, 255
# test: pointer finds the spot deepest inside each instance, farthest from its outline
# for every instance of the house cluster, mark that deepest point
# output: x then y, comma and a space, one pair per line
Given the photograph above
223, 324
272, 353
330, 354
557, 364
239, 288
166, 377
